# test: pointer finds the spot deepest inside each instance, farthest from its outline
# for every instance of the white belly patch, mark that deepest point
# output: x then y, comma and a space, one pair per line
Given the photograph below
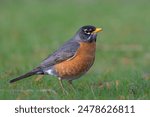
50, 72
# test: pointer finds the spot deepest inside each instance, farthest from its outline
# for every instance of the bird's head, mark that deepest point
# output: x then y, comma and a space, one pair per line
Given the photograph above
88, 33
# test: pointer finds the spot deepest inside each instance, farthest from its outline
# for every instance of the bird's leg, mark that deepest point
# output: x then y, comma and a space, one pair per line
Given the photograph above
71, 85
62, 87
70, 82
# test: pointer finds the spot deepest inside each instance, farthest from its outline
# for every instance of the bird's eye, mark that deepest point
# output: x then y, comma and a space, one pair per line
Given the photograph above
87, 32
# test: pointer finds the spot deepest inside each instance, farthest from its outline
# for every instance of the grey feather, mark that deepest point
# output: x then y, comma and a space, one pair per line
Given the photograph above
67, 51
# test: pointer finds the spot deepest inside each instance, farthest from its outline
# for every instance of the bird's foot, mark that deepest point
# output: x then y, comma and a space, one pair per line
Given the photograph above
62, 87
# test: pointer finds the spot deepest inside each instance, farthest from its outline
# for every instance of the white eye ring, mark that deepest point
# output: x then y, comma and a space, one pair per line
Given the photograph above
88, 33
85, 30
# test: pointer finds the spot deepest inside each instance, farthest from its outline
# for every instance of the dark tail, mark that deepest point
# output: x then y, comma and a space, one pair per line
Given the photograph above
33, 72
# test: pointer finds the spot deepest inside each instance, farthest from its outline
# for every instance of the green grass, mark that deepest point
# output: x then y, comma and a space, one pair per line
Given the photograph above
30, 30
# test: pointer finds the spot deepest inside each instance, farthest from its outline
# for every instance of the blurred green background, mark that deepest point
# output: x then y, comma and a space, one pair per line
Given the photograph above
32, 29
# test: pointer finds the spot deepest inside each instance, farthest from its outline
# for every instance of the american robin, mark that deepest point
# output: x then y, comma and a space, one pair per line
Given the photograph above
71, 60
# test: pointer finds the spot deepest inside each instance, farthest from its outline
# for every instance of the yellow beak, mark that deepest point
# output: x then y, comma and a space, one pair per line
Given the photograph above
97, 30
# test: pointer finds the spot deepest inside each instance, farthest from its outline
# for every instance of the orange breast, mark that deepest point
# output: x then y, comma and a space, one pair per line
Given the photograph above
78, 64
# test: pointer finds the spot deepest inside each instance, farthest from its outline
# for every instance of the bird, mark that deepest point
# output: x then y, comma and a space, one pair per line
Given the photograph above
72, 60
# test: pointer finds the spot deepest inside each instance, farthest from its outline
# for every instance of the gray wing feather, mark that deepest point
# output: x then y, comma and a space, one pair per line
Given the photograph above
67, 51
